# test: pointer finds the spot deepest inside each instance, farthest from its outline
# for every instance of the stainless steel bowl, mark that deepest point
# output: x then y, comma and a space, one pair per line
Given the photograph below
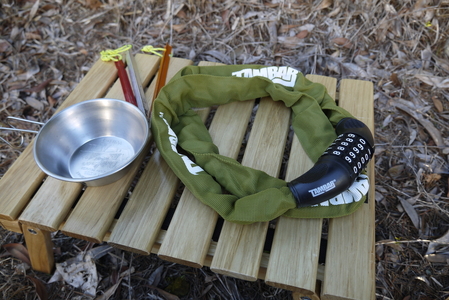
94, 141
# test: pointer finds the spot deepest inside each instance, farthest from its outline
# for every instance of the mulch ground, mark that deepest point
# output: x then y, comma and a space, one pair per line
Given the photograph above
46, 47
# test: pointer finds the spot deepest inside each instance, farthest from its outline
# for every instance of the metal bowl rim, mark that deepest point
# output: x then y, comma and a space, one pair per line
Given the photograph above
103, 176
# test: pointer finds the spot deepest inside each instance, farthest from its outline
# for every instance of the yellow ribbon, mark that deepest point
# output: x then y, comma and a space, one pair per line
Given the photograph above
114, 54
151, 49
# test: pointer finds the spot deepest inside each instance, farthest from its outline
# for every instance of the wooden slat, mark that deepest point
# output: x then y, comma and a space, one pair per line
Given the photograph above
51, 204
240, 247
140, 222
349, 271
95, 211
39, 241
13, 226
53, 201
190, 232
296, 243
23, 178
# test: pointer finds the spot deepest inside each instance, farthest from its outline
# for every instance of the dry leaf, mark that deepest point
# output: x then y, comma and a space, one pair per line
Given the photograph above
33, 36
225, 17
387, 121
39, 87
302, 34
4, 45
111, 291
431, 178
324, 4
79, 272
396, 171
93, 4
436, 81
413, 111
284, 28
290, 41
41, 290
18, 251
155, 277
223, 58
419, 8
411, 212
344, 42
33, 10
179, 27
33, 102
273, 31
167, 295
395, 79
438, 104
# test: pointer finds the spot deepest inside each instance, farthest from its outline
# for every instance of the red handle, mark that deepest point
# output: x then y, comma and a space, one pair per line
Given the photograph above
126, 85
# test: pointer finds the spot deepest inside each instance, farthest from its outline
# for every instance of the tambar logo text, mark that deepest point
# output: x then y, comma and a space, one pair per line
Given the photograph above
323, 189
282, 75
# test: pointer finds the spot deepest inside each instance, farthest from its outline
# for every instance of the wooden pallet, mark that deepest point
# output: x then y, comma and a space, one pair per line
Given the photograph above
36, 205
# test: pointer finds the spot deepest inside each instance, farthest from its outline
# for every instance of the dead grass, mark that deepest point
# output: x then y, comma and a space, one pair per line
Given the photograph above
46, 47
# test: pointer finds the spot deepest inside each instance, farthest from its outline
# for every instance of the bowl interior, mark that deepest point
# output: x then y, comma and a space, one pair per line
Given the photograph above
91, 139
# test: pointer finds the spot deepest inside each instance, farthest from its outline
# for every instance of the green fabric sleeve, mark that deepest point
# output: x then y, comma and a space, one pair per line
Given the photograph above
238, 193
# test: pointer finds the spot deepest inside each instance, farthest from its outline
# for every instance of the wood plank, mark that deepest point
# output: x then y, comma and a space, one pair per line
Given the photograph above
95, 211
240, 247
190, 232
51, 204
13, 226
142, 217
293, 263
141, 220
349, 271
53, 201
40, 248
23, 178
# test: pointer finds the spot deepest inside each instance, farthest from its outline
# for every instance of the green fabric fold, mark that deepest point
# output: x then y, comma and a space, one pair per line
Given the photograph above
241, 194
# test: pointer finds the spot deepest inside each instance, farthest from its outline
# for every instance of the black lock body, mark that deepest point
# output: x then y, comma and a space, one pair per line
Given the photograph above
338, 167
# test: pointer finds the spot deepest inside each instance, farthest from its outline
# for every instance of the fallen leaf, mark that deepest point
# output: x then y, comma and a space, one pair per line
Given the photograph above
395, 79
325, 4
290, 41
33, 10
302, 34
93, 4
4, 45
220, 56
33, 102
41, 289
396, 171
284, 28
179, 27
18, 251
344, 42
79, 272
39, 87
111, 291
155, 277
52, 101
436, 81
410, 109
225, 17
387, 121
438, 104
411, 212
33, 36
431, 178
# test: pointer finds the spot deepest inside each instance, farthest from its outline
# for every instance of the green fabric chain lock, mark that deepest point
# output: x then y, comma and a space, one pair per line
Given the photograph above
254, 196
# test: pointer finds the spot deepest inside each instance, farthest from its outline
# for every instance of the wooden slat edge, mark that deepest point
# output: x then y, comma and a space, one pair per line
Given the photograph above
349, 271
296, 242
